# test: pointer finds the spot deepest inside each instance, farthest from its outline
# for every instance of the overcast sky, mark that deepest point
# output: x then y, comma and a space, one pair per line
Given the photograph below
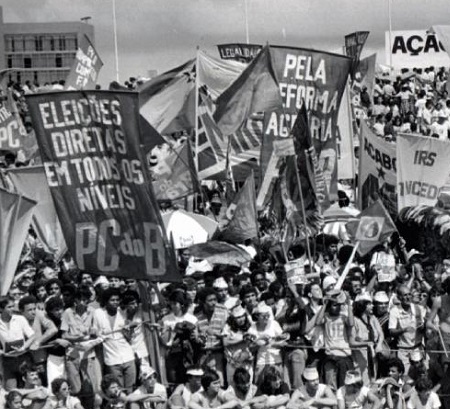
161, 34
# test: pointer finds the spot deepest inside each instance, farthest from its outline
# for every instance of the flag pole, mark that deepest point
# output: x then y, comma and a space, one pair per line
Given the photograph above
308, 248
197, 82
247, 36
344, 273
390, 35
116, 52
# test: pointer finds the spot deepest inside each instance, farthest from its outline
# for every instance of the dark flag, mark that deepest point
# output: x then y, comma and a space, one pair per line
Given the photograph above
354, 44
90, 147
255, 90
238, 51
373, 227
243, 223
176, 176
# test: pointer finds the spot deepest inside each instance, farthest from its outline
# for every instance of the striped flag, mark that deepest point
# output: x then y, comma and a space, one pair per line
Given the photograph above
212, 147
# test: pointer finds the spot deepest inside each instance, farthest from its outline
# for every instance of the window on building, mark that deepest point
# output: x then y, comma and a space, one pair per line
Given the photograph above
58, 61
39, 43
62, 43
27, 62
9, 62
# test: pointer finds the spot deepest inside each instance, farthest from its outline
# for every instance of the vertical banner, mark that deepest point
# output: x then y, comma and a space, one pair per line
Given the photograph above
423, 169
90, 148
85, 68
318, 79
354, 44
238, 51
15, 218
32, 182
377, 171
12, 131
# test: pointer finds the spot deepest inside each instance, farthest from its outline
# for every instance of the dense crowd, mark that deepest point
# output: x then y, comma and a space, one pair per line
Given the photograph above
243, 337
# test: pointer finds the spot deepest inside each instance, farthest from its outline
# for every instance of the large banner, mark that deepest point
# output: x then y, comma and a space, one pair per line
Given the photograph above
415, 48
90, 148
318, 79
377, 171
85, 68
423, 169
238, 51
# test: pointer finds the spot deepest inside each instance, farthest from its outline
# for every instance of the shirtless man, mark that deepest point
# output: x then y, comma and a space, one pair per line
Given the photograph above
441, 308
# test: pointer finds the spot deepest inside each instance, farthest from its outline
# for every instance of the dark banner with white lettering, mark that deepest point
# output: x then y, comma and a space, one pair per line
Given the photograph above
239, 52
317, 78
90, 148
377, 171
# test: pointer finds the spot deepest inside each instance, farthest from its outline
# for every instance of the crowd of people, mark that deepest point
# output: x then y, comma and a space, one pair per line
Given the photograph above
243, 337
416, 101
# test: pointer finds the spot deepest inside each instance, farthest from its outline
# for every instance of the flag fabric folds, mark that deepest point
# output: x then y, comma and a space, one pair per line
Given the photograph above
32, 182
175, 176
373, 227
354, 44
244, 145
85, 68
256, 90
15, 217
443, 35
242, 225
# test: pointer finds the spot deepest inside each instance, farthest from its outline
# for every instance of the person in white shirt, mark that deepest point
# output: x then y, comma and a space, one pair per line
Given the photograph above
422, 397
109, 323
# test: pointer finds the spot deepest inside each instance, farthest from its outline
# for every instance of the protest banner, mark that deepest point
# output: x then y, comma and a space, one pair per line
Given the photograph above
377, 171
317, 78
238, 51
85, 68
90, 147
12, 131
415, 49
422, 169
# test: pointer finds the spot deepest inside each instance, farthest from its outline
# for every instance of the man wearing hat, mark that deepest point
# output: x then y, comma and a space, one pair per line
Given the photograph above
337, 329
312, 394
155, 392
182, 393
354, 394
223, 295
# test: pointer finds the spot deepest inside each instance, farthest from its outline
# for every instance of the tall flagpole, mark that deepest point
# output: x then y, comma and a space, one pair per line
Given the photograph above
390, 34
247, 36
116, 52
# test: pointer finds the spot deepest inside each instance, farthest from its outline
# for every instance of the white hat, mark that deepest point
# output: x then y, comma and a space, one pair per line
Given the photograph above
101, 280
364, 297
195, 372
413, 252
262, 308
328, 281
238, 311
416, 356
352, 377
381, 297
310, 373
147, 373
220, 283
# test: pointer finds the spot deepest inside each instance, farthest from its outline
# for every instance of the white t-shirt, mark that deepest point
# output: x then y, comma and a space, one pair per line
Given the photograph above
359, 401
15, 332
414, 402
267, 355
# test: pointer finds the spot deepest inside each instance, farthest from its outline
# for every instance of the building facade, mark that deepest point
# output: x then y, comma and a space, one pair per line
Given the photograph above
40, 52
